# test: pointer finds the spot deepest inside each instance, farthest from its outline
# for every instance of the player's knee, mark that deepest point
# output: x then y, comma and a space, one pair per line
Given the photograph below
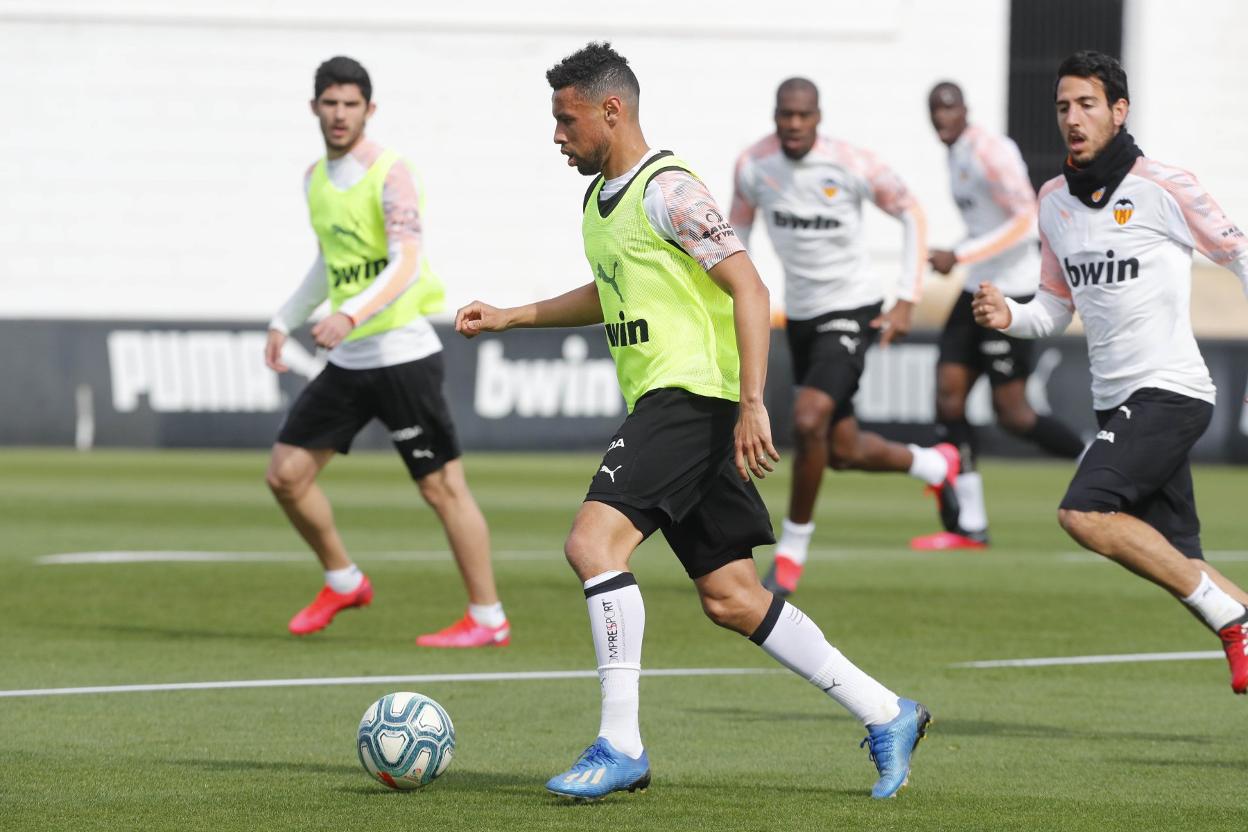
1080, 525
579, 549
810, 424
287, 480
1017, 419
842, 454
728, 611
950, 406
437, 489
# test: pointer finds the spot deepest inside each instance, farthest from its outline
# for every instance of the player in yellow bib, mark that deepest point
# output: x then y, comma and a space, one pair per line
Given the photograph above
687, 321
385, 362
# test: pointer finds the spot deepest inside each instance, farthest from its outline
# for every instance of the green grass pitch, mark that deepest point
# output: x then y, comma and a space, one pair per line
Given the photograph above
1097, 747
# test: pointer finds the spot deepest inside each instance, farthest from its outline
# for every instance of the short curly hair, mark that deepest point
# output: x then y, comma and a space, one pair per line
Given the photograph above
595, 71
1105, 68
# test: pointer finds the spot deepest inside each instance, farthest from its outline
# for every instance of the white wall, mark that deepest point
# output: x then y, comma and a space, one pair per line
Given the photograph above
1188, 74
152, 159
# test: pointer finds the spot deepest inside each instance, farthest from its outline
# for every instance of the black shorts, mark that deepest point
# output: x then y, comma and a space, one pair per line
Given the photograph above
830, 351
1140, 464
670, 467
407, 398
990, 351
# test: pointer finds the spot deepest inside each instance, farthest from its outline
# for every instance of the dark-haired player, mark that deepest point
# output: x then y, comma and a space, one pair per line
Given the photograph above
385, 362
686, 318
1117, 231
993, 193
810, 190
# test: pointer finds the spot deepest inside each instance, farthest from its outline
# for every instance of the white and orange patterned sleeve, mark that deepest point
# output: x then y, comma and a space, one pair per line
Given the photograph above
400, 204
1197, 221
892, 197
743, 209
1053, 307
1009, 188
681, 209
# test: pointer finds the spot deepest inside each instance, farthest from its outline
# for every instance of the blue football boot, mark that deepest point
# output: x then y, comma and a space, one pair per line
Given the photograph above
602, 770
892, 744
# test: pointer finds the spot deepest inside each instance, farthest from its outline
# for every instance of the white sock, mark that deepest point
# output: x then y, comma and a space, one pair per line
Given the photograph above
1212, 604
488, 615
795, 540
797, 643
342, 581
928, 465
617, 619
972, 515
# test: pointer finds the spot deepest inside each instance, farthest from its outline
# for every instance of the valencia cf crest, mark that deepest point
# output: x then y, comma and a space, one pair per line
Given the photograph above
830, 188
1098, 194
1123, 209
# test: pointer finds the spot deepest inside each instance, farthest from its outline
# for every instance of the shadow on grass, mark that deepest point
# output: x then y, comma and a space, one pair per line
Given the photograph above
463, 782
1229, 765
180, 633
944, 727
277, 766
770, 716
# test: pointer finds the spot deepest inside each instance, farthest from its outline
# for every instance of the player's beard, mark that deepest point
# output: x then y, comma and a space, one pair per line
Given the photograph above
592, 165
344, 144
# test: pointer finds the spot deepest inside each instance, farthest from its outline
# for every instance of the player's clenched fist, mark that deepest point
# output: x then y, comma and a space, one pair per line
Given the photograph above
989, 307
478, 317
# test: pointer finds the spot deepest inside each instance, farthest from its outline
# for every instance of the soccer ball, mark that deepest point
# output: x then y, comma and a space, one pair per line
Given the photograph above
405, 740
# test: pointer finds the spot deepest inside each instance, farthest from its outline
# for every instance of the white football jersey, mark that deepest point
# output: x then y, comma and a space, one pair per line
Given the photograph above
1126, 268
990, 186
813, 210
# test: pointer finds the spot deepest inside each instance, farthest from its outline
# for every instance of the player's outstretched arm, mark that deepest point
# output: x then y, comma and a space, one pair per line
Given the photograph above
989, 307
579, 307
751, 310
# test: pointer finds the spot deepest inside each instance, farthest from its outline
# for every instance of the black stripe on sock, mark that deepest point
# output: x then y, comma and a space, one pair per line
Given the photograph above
618, 582
769, 621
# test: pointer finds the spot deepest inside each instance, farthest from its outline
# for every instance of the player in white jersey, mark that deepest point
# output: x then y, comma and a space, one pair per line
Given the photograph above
810, 190
384, 362
994, 195
1117, 231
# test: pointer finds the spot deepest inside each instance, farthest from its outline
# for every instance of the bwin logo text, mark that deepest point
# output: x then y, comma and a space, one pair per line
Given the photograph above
1105, 271
627, 333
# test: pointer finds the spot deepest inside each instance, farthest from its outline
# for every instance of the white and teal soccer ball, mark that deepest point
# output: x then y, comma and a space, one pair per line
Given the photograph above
406, 740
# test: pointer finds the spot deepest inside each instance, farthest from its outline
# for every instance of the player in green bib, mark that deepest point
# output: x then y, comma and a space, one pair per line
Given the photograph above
687, 321
385, 362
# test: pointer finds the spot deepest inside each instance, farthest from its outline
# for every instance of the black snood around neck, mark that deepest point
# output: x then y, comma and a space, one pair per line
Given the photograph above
1094, 184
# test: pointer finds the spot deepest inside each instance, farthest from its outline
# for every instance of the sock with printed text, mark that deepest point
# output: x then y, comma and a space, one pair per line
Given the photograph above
617, 619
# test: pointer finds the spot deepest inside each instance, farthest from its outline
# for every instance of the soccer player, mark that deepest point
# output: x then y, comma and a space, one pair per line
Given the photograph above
686, 319
992, 190
810, 189
384, 362
1117, 231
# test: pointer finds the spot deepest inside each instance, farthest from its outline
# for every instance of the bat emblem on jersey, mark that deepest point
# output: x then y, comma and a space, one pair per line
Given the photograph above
610, 281
830, 188
1123, 209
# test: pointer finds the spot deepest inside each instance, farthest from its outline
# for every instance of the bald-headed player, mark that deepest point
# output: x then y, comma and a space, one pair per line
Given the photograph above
994, 195
1117, 230
810, 190
385, 362
687, 321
